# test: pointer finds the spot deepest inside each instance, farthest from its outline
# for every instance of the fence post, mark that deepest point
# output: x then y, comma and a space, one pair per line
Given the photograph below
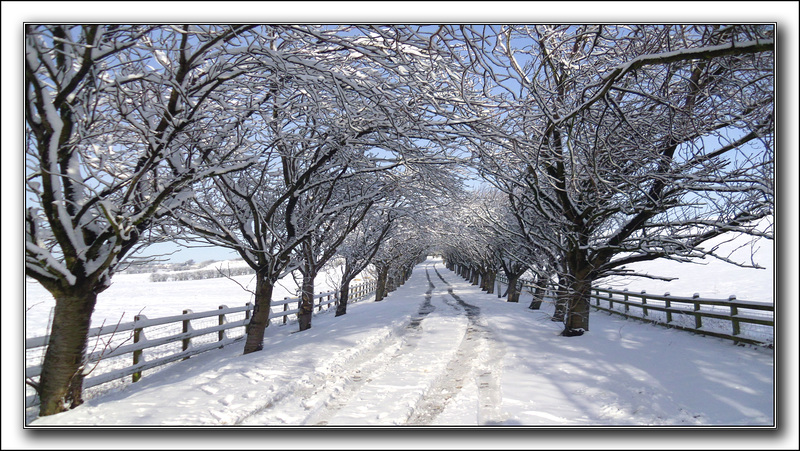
138, 335
285, 308
734, 313
667, 304
625, 298
221, 333
186, 328
247, 315
698, 320
610, 302
644, 303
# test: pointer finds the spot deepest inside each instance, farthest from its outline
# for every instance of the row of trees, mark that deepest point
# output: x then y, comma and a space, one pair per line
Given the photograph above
199, 274
294, 145
613, 145
279, 142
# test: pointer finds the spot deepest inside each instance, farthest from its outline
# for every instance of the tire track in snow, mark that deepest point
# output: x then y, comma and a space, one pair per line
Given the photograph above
478, 356
343, 395
319, 398
381, 364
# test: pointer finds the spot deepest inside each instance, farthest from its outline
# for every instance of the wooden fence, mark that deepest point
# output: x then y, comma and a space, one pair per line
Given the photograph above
174, 330
735, 315
737, 320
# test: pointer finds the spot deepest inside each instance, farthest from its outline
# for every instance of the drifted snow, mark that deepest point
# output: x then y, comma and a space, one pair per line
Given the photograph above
418, 358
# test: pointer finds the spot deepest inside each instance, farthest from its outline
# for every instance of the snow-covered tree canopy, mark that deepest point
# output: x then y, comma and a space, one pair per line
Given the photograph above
121, 120
638, 142
348, 112
629, 142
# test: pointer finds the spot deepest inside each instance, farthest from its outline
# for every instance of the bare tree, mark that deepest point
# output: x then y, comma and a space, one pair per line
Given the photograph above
343, 102
469, 247
258, 214
327, 231
359, 248
633, 142
119, 121
395, 259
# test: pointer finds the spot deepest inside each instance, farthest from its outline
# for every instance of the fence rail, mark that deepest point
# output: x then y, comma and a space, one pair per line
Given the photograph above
737, 320
177, 329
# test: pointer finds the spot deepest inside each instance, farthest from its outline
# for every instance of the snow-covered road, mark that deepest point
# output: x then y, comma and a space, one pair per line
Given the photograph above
443, 352
440, 352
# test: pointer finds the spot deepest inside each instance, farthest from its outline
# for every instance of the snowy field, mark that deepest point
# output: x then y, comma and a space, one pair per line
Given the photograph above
134, 294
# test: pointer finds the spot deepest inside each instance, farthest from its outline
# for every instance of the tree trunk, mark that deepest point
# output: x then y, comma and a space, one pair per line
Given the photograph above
513, 289
61, 380
577, 320
538, 297
578, 286
380, 289
560, 312
390, 284
260, 319
344, 295
489, 279
306, 301
561, 301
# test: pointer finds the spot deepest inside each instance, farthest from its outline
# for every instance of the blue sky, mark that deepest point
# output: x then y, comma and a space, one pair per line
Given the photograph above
179, 254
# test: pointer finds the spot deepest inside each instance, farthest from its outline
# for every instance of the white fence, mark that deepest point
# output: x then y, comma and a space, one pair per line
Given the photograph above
733, 319
741, 321
128, 349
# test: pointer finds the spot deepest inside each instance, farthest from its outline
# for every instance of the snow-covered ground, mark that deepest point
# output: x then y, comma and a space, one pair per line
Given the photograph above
439, 352
134, 294
711, 278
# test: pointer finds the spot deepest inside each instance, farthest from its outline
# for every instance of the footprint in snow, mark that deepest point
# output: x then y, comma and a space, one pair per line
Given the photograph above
210, 390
